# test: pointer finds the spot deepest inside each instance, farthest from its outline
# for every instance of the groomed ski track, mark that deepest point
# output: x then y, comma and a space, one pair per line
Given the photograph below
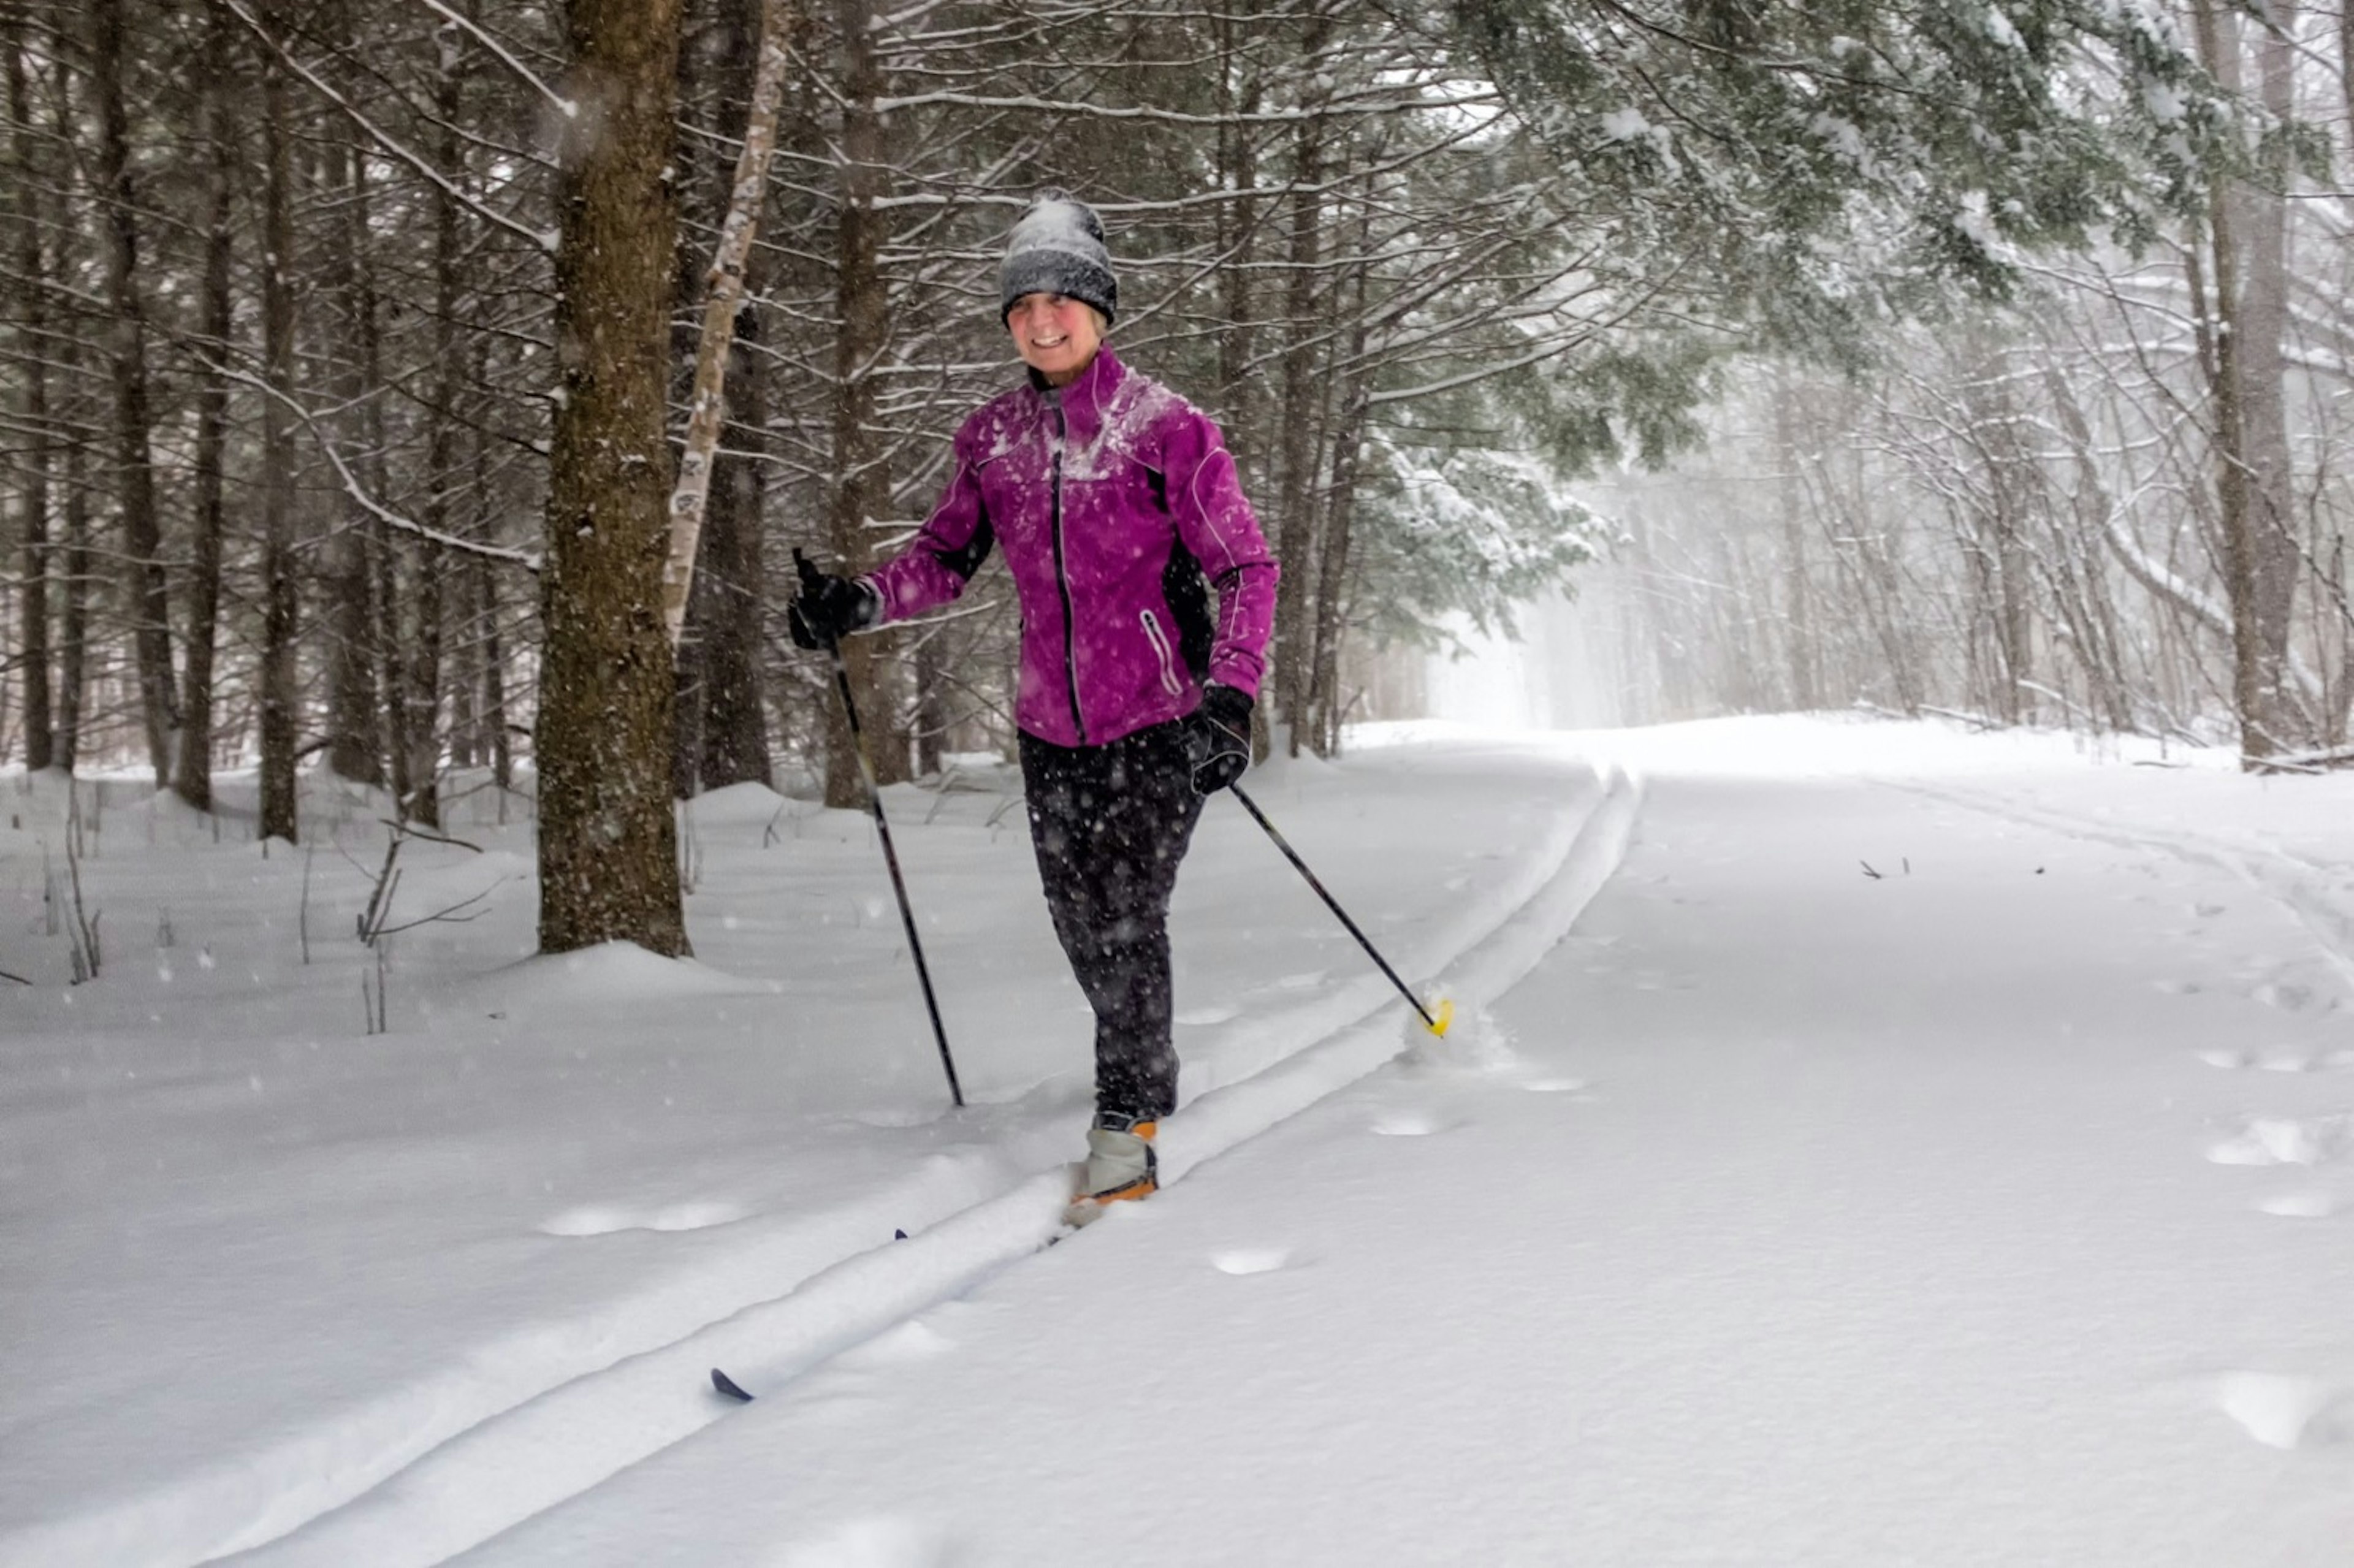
2300, 887
442, 1466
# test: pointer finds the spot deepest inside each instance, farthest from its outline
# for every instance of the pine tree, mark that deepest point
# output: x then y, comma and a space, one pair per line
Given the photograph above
607, 853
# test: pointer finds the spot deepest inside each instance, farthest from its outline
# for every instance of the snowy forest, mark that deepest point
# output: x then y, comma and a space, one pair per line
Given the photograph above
1763, 975
432, 393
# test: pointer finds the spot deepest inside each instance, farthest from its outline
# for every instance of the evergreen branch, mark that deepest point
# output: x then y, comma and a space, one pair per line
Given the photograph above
528, 560
545, 241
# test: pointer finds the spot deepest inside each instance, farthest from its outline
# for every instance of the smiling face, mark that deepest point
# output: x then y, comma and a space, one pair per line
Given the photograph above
1055, 335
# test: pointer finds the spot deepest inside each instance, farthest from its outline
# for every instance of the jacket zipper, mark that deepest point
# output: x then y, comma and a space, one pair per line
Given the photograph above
1063, 583
1160, 641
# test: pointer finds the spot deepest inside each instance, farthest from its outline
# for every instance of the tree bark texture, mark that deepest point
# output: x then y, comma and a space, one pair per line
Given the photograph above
280, 696
386, 650
1237, 238
193, 778
1303, 399
707, 402
2251, 685
422, 693
73, 625
735, 729
33, 275
149, 595
355, 731
1324, 704
608, 838
493, 744
861, 488
722, 721
2262, 221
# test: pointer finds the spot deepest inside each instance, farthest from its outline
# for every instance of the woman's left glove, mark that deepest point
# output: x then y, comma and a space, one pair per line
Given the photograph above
1218, 739
826, 608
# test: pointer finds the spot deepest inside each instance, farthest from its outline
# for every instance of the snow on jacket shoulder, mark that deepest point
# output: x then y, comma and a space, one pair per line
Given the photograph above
1098, 496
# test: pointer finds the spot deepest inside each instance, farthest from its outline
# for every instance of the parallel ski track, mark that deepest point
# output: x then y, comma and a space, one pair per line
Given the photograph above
2297, 886
515, 1462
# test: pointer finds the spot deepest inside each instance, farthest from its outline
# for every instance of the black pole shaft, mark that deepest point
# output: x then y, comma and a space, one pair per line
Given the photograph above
1332, 904
891, 859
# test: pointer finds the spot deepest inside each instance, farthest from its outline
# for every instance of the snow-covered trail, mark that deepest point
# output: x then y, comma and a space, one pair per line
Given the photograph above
371, 1300
1936, 1212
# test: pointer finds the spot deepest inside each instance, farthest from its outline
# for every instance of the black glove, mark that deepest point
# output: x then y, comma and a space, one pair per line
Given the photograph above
826, 608
1218, 739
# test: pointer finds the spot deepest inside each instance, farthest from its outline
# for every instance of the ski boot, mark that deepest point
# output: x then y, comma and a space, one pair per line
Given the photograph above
1120, 1167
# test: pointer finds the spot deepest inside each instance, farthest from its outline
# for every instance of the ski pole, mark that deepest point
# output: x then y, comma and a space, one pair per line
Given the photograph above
1446, 1015
890, 855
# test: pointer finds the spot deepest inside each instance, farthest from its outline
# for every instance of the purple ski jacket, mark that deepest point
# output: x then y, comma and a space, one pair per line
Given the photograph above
1107, 495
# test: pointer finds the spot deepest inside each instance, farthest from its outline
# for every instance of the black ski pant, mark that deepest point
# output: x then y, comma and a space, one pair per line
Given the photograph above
1110, 823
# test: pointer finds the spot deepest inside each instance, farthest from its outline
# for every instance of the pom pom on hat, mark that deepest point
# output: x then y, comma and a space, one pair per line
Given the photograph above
1058, 247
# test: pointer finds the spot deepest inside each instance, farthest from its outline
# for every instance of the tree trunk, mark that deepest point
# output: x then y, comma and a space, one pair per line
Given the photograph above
735, 719
735, 728
391, 696
356, 733
2346, 65
686, 702
73, 625
1237, 235
2251, 684
127, 332
421, 692
387, 649
1304, 396
2262, 220
931, 719
73, 629
496, 744
280, 696
861, 487
1798, 634
193, 778
608, 840
716, 507
1323, 702
1994, 417
32, 266
708, 404
492, 745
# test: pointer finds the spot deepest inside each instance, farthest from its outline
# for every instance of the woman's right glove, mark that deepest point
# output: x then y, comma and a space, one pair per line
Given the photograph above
1218, 739
826, 608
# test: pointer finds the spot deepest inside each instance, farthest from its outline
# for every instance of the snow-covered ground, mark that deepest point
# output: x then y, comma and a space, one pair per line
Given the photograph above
1866, 1143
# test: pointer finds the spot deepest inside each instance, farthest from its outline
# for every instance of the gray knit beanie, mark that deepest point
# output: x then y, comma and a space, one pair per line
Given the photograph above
1058, 247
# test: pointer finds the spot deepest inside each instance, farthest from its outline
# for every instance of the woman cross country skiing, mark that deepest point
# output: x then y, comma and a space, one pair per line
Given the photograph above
1112, 498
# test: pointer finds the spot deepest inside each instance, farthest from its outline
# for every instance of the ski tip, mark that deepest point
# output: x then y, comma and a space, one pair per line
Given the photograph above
729, 1386
1442, 1017
899, 1235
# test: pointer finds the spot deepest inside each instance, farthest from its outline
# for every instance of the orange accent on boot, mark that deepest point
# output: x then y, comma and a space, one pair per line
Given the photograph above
1142, 1187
